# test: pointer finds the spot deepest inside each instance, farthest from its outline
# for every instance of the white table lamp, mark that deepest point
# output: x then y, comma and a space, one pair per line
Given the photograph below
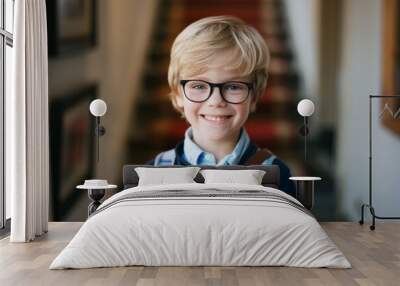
98, 108
305, 108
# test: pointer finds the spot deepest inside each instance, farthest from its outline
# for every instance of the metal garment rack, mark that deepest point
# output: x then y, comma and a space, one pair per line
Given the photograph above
369, 205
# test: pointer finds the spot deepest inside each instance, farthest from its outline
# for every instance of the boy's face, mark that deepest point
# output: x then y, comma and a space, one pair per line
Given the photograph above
216, 119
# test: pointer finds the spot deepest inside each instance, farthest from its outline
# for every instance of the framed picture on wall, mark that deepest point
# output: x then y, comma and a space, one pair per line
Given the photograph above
391, 64
71, 26
71, 147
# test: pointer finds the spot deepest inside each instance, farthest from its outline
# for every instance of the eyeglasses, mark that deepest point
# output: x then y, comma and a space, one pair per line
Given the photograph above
234, 92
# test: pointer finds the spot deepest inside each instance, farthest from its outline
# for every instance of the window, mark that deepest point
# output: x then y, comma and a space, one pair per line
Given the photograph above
6, 43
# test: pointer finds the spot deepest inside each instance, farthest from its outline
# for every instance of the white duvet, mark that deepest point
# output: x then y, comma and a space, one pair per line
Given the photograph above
182, 231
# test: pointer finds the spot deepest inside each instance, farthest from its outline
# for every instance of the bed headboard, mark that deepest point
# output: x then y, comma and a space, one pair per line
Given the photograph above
271, 178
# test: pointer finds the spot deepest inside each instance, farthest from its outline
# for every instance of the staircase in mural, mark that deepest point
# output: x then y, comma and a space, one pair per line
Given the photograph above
274, 125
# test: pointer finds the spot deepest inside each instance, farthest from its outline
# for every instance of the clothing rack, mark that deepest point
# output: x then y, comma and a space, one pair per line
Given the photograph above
369, 205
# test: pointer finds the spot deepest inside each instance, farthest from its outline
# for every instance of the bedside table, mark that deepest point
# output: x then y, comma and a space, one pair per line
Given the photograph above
305, 190
96, 192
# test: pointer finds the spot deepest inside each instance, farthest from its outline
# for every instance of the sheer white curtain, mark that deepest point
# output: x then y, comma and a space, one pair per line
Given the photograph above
27, 147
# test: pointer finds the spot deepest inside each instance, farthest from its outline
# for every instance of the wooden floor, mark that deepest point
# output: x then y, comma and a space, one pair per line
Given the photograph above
374, 255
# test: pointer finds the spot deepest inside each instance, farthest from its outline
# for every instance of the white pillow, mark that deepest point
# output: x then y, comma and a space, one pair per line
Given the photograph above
248, 177
163, 176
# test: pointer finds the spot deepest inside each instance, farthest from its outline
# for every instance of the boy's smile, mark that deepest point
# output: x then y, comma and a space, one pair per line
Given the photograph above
217, 119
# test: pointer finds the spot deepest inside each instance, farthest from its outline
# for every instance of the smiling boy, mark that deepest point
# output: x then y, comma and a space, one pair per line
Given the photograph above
218, 71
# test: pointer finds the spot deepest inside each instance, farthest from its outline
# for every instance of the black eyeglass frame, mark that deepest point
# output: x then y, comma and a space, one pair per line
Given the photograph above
220, 86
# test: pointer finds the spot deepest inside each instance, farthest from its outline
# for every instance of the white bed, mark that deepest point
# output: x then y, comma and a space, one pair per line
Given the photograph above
224, 225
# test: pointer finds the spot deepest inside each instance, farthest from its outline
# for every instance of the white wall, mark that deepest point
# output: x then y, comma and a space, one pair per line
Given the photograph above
127, 39
304, 28
360, 76
303, 16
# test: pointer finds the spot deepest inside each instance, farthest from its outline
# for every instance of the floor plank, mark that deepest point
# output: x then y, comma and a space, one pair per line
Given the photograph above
374, 255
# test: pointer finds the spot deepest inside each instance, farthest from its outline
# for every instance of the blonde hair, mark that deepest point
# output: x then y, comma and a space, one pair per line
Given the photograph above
197, 46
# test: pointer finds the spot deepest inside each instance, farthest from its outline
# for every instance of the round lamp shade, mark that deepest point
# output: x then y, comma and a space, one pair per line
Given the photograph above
305, 107
98, 107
